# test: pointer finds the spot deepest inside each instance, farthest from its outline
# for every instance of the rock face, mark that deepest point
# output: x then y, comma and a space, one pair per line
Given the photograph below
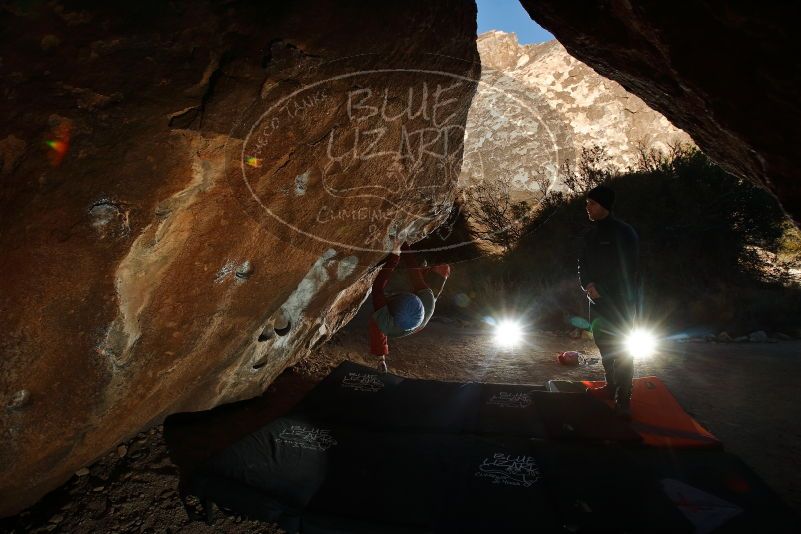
727, 74
538, 106
179, 180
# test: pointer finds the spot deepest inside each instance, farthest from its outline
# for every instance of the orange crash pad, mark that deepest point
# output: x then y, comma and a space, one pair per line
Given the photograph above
658, 417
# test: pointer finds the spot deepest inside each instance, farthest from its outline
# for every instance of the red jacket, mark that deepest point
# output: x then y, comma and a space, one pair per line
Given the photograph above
379, 344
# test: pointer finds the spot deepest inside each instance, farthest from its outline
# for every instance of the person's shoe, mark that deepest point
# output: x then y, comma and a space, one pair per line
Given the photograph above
382, 365
606, 391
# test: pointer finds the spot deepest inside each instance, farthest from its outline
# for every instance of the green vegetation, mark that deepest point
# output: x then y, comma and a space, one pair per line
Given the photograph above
707, 240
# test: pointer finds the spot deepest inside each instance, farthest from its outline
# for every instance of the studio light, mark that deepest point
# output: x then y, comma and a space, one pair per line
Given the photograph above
508, 333
641, 343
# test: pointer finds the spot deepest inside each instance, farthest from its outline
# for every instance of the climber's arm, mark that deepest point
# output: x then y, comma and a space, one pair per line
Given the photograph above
380, 283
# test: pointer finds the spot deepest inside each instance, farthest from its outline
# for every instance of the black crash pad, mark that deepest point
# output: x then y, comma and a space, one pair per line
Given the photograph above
357, 395
370, 452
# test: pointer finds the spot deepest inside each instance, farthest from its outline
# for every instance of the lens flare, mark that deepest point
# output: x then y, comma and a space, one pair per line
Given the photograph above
508, 333
641, 343
462, 300
58, 146
253, 161
60, 143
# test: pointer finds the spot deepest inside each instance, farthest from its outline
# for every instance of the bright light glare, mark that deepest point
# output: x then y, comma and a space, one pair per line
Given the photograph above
508, 333
641, 343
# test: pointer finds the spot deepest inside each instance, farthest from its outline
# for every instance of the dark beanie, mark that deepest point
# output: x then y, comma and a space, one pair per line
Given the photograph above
603, 196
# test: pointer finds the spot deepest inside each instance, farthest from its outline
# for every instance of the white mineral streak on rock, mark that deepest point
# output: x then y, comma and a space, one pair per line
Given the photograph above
291, 312
150, 255
346, 267
301, 183
309, 286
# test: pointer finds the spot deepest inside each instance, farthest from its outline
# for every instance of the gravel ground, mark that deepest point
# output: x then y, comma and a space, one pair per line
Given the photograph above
131, 489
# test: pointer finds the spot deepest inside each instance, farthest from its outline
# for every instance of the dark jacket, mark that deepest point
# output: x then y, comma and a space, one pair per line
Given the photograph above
610, 259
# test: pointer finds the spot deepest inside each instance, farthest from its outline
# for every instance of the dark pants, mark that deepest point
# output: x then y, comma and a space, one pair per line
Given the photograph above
618, 363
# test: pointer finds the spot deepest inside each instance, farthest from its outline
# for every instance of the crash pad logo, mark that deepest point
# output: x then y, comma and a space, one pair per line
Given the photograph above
362, 382
303, 437
509, 399
509, 470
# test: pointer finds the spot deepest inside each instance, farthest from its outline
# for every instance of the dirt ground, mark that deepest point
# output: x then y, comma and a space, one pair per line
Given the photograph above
743, 393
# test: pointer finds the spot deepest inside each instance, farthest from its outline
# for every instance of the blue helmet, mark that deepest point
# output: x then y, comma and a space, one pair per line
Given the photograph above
407, 310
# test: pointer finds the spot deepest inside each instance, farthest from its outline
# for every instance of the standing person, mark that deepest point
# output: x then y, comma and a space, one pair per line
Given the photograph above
404, 313
608, 272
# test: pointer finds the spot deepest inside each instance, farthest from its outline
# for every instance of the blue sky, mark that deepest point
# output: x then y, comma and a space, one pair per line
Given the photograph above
509, 16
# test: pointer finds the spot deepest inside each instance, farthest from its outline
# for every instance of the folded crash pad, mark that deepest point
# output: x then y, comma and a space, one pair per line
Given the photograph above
286, 459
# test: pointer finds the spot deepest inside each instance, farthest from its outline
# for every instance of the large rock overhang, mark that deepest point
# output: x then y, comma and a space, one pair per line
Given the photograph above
179, 178
727, 73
